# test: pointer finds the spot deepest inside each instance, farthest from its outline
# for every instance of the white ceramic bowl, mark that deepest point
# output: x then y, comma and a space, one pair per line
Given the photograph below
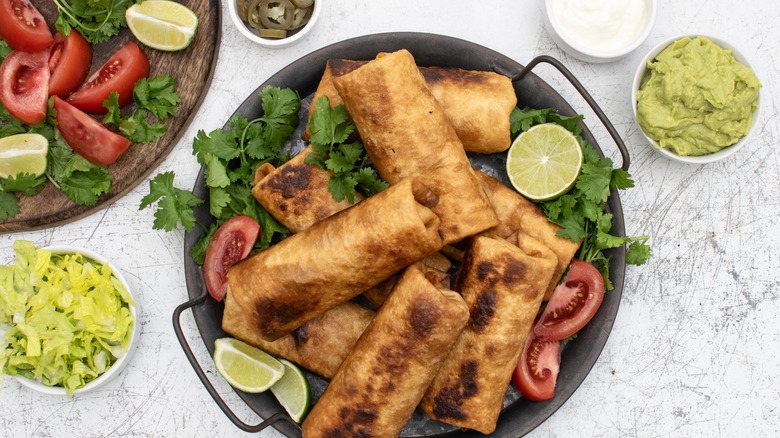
580, 51
253, 36
699, 159
120, 363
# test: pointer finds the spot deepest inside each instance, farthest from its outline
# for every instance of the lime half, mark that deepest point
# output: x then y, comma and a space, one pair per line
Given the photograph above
162, 24
23, 153
544, 162
293, 392
246, 367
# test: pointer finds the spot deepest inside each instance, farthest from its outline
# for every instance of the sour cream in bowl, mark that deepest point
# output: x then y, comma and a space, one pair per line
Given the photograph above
599, 31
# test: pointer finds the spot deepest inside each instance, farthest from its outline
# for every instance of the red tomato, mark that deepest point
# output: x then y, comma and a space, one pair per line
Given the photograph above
24, 85
86, 136
573, 303
69, 63
231, 243
23, 27
119, 74
537, 370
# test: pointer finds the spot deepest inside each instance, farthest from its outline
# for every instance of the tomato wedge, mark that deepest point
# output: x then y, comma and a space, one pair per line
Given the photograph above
24, 85
573, 303
86, 136
23, 27
120, 73
537, 370
69, 63
231, 243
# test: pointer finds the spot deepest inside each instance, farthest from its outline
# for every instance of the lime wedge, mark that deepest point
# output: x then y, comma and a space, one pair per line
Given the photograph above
544, 162
293, 392
23, 153
246, 367
162, 24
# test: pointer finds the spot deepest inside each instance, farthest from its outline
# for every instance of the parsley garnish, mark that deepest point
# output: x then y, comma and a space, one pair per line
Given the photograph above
581, 211
231, 157
96, 20
330, 128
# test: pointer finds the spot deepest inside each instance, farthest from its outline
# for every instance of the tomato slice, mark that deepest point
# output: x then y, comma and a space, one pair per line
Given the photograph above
573, 303
69, 63
231, 243
86, 136
537, 370
23, 27
24, 85
120, 73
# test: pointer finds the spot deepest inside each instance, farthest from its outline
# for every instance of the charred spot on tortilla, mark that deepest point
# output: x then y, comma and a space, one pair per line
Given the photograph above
483, 310
447, 403
484, 270
290, 181
340, 67
457, 76
514, 271
300, 335
423, 317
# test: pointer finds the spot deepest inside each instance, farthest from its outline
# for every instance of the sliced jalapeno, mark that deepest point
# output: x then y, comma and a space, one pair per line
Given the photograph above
276, 14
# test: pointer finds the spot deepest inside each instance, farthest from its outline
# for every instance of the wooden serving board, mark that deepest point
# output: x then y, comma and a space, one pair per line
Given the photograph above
192, 69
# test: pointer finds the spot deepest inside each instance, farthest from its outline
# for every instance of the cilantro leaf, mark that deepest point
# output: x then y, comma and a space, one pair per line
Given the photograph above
174, 204
9, 205
85, 187
26, 183
96, 20
330, 128
156, 95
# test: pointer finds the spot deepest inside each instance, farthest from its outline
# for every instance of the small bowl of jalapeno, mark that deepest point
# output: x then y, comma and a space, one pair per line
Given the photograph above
274, 23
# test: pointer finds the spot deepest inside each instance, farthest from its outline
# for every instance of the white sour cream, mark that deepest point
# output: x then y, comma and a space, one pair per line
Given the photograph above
601, 25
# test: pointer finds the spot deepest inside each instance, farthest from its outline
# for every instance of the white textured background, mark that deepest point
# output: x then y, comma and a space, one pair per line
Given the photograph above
695, 347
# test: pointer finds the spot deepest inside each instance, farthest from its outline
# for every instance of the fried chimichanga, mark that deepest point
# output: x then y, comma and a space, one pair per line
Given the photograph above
379, 384
406, 134
477, 103
515, 213
303, 276
296, 193
320, 345
503, 285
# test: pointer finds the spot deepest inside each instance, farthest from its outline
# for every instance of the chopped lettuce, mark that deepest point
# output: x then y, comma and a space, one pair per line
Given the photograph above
64, 318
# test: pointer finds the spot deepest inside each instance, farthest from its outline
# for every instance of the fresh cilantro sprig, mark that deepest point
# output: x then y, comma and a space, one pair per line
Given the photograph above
155, 96
581, 212
331, 128
231, 157
96, 20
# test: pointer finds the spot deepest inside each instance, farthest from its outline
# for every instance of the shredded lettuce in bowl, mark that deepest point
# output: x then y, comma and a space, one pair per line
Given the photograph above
64, 318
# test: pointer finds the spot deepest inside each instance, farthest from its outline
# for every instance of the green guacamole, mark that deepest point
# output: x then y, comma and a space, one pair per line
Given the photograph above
696, 98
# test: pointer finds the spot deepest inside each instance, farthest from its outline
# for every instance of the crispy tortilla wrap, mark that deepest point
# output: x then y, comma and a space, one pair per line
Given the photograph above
477, 103
309, 273
503, 285
515, 213
378, 386
406, 134
320, 345
296, 193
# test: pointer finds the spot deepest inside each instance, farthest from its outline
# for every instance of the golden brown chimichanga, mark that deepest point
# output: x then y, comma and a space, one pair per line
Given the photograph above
406, 134
303, 276
296, 193
320, 345
503, 285
515, 213
378, 386
477, 103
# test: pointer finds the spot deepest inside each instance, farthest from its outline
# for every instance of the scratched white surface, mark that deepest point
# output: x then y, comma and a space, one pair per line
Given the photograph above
695, 349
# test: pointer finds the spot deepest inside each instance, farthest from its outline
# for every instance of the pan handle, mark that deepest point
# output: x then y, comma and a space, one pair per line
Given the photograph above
585, 95
279, 416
